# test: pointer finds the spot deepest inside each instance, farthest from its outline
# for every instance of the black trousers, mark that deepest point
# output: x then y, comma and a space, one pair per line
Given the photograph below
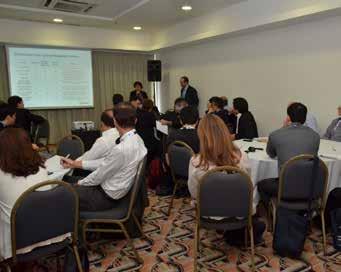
91, 198
268, 188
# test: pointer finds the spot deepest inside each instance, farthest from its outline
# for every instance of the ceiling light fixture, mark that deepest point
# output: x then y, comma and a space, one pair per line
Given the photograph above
186, 7
57, 20
137, 28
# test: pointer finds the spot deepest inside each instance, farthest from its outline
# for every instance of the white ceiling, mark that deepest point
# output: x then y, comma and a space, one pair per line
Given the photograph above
152, 15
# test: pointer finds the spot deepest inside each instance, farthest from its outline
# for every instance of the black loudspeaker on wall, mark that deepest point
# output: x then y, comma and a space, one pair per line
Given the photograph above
154, 70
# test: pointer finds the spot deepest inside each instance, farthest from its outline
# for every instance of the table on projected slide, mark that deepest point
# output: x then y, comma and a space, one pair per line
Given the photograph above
263, 167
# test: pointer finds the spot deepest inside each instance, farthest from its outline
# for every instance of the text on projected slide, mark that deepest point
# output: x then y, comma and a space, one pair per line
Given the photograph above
51, 78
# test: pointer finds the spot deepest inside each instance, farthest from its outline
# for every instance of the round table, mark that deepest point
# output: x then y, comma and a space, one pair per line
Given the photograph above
263, 167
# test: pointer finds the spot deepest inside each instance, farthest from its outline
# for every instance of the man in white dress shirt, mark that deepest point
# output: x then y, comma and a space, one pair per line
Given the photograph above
93, 158
113, 179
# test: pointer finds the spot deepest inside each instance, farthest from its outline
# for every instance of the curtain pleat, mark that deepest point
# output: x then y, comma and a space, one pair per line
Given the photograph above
113, 72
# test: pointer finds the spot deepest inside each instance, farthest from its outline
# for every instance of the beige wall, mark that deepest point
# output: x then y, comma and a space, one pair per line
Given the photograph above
41, 34
270, 68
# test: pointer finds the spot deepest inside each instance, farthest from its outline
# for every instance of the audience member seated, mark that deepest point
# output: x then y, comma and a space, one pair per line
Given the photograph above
20, 168
113, 179
7, 117
216, 149
189, 117
310, 121
117, 99
172, 117
92, 159
138, 92
246, 127
333, 132
24, 118
136, 102
292, 140
146, 127
216, 106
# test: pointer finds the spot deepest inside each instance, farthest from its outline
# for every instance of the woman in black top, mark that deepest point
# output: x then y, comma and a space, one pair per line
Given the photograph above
246, 127
138, 91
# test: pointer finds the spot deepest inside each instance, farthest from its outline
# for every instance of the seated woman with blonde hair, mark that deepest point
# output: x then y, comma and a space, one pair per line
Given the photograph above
216, 149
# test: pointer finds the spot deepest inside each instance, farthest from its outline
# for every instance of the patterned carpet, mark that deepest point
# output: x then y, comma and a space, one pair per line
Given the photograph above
170, 241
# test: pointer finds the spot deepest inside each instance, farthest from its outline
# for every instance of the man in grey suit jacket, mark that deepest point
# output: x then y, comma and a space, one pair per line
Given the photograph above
292, 140
333, 132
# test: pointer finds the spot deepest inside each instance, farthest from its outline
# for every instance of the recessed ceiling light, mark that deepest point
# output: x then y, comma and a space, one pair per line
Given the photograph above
186, 7
137, 27
57, 20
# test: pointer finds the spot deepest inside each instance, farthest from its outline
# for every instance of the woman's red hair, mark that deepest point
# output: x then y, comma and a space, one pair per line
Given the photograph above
216, 146
16, 154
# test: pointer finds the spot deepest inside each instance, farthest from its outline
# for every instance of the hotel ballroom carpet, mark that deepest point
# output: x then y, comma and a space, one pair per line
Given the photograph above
170, 242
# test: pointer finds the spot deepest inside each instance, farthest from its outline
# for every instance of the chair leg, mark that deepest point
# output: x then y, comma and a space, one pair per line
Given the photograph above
196, 247
84, 226
130, 242
139, 226
252, 248
324, 234
78, 260
172, 199
274, 211
246, 238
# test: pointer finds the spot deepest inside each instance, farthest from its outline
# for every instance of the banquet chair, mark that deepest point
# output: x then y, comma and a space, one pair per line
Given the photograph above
42, 132
225, 192
70, 145
179, 154
119, 215
39, 216
295, 181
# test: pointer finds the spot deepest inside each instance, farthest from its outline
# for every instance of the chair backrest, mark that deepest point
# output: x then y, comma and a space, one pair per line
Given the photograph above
72, 145
296, 179
42, 132
179, 154
41, 215
225, 192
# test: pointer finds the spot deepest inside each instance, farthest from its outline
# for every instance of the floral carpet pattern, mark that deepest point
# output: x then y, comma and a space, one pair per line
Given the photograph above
169, 247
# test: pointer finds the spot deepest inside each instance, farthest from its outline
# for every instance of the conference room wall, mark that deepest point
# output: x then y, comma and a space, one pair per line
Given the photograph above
270, 68
113, 73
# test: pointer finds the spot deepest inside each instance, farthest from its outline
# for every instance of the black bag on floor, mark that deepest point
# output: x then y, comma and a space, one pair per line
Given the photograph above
335, 217
292, 226
290, 232
70, 263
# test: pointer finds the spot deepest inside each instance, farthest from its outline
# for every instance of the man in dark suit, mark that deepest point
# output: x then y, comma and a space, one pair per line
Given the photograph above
292, 140
188, 92
24, 118
189, 117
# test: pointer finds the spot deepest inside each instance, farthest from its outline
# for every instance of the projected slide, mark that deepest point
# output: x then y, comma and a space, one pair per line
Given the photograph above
51, 78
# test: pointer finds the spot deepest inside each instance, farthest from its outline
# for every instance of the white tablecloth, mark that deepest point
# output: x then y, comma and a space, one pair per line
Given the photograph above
263, 167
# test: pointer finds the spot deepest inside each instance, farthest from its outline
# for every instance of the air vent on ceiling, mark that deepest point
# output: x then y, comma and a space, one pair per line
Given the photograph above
79, 6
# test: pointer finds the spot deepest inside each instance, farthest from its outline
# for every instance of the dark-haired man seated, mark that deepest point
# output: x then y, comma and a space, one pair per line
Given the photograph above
7, 117
113, 179
189, 117
292, 140
172, 117
24, 118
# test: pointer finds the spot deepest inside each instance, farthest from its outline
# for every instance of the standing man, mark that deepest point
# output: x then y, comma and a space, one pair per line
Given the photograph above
188, 92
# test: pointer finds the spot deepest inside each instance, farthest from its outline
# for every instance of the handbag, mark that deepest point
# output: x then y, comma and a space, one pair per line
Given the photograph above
292, 226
